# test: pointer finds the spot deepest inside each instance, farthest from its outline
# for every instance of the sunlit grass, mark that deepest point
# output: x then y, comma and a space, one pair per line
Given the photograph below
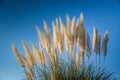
46, 62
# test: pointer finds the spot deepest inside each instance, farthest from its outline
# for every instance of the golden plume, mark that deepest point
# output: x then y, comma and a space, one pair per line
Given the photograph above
71, 35
38, 56
44, 40
53, 56
58, 40
88, 45
48, 38
80, 35
47, 31
68, 23
62, 27
18, 56
98, 47
54, 34
28, 67
94, 39
28, 54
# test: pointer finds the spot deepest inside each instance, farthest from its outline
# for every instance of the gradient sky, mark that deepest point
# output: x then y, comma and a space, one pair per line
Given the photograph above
19, 17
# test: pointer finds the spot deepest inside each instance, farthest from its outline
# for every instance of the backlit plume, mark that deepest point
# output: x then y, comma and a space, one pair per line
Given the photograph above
70, 39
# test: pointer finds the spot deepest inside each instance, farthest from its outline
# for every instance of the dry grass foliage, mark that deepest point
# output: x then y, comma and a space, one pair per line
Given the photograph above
64, 40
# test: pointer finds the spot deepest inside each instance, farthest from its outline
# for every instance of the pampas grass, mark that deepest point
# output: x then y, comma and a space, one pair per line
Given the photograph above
18, 56
81, 38
105, 42
88, 45
28, 69
94, 39
104, 45
46, 62
29, 55
39, 56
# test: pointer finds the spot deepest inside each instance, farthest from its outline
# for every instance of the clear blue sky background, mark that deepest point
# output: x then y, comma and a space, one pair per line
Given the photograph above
19, 17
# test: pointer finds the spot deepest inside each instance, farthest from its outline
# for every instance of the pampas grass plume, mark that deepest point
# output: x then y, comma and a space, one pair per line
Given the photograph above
105, 42
18, 56
28, 54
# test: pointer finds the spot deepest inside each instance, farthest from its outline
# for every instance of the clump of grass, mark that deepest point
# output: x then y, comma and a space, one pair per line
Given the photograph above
46, 62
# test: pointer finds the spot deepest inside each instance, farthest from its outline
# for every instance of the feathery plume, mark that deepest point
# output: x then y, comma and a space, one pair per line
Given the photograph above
43, 56
71, 35
66, 40
29, 54
65, 35
82, 34
47, 31
81, 18
88, 46
44, 39
62, 27
38, 56
60, 44
57, 38
72, 27
18, 56
28, 67
40, 34
98, 44
47, 44
28, 75
105, 42
94, 39
68, 23
80, 37
54, 35
77, 35
53, 56
33, 59
57, 22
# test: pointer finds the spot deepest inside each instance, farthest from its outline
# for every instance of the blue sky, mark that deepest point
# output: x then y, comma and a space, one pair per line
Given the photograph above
19, 17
